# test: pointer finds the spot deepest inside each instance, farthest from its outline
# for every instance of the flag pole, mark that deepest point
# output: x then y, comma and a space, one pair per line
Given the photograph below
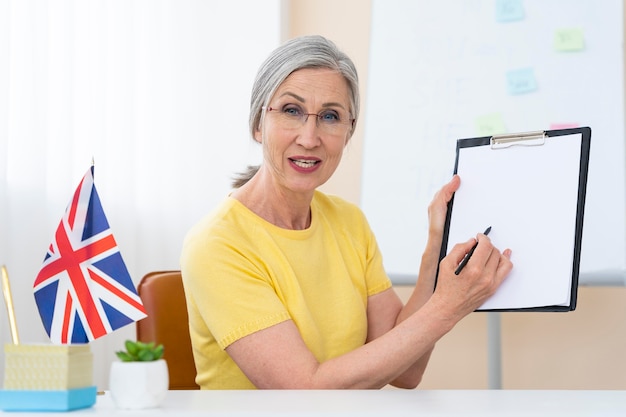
6, 289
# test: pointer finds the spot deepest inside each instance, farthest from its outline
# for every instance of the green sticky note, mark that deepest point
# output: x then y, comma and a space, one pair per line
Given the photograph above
569, 40
489, 125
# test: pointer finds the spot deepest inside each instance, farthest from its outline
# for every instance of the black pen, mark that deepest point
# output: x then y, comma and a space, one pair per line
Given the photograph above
469, 254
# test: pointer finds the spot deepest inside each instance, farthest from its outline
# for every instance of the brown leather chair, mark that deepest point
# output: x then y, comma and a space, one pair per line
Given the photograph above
163, 297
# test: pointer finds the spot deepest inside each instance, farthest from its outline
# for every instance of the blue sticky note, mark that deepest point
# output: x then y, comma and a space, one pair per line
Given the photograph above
521, 81
509, 10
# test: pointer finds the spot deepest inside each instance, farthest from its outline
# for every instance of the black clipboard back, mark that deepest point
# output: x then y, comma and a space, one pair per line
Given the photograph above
535, 138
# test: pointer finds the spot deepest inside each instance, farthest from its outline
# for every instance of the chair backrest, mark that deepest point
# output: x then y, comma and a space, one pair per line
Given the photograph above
163, 297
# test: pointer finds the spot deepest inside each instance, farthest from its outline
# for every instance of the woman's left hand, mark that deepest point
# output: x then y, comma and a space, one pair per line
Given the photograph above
438, 208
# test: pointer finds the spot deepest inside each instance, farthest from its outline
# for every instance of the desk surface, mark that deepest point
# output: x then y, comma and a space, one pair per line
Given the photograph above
396, 403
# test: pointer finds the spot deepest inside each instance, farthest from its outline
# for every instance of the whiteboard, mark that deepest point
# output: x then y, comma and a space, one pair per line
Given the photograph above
442, 71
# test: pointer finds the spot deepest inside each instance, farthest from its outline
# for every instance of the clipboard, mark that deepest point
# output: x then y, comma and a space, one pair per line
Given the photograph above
530, 188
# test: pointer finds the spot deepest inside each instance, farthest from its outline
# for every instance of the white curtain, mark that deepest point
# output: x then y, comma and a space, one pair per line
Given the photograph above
156, 92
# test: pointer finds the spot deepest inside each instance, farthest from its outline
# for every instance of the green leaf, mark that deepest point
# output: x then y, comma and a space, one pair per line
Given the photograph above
158, 352
132, 348
125, 357
145, 355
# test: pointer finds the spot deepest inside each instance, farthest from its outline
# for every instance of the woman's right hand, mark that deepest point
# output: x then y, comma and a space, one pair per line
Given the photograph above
486, 270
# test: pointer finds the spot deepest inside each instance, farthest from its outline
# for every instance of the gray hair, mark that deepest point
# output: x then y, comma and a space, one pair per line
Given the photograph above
303, 52
312, 51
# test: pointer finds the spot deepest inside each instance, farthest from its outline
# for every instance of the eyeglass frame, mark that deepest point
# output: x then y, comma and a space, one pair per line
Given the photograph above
305, 116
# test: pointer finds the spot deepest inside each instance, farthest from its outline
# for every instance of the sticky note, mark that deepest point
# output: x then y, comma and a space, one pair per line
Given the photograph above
489, 125
521, 81
557, 126
569, 40
509, 10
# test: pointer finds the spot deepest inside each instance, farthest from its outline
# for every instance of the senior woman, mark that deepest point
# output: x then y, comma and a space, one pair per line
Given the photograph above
285, 285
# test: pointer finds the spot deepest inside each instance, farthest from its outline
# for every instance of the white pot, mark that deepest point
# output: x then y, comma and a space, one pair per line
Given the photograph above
136, 385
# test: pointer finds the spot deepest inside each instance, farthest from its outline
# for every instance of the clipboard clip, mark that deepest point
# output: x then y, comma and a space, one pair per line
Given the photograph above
536, 138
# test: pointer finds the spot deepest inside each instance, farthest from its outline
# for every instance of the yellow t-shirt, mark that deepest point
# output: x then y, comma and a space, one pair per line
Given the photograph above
242, 274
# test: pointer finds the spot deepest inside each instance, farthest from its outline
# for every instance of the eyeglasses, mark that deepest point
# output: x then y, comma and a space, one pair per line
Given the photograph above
330, 121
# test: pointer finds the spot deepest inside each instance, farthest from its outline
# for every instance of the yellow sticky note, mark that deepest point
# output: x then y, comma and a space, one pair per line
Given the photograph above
489, 125
569, 40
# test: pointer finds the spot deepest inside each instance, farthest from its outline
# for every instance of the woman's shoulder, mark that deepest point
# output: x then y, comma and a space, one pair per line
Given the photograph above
338, 207
211, 224
334, 201
215, 215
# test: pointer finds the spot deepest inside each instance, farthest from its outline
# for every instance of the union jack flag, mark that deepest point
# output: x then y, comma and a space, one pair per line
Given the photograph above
83, 290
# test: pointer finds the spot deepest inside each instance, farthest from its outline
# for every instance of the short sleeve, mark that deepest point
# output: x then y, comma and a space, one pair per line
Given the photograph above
229, 292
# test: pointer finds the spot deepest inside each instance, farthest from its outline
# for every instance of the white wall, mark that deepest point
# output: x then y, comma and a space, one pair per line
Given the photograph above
157, 92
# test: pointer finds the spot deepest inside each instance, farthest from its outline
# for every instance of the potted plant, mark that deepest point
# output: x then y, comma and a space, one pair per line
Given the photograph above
140, 378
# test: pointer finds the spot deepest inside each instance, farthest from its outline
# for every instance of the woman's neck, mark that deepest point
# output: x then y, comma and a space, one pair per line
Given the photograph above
283, 209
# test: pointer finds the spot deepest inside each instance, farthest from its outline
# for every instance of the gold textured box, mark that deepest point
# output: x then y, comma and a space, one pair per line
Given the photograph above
47, 367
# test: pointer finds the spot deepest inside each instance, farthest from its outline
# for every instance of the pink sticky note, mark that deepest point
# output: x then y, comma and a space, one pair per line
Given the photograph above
557, 126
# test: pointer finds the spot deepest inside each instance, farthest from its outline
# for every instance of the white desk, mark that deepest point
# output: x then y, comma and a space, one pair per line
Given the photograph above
393, 403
